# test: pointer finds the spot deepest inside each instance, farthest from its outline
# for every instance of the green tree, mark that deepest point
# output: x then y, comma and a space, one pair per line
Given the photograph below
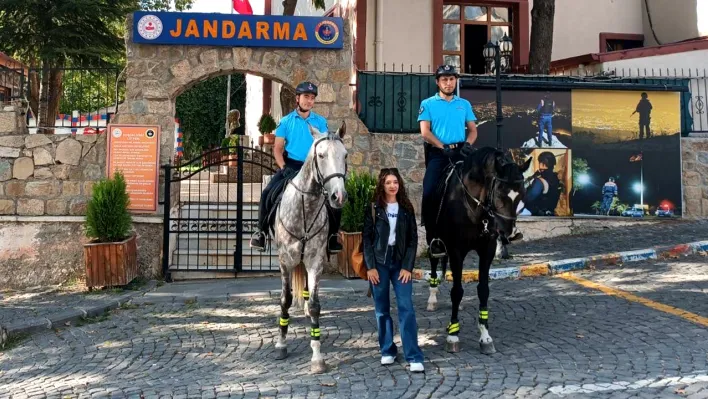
201, 112
57, 33
580, 167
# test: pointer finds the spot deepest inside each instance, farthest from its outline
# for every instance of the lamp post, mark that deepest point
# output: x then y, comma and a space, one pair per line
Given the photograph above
493, 53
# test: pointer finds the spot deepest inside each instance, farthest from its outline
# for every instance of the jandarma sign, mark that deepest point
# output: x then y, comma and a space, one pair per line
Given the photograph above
237, 30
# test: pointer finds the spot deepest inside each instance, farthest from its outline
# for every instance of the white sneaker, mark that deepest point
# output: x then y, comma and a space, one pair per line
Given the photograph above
417, 367
387, 360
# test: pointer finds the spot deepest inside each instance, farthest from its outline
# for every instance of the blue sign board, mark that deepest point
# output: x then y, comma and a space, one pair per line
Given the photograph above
235, 30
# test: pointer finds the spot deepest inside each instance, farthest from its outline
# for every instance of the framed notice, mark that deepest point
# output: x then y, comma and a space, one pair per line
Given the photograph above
135, 151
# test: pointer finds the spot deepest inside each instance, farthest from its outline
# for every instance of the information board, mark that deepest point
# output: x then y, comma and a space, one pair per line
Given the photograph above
135, 151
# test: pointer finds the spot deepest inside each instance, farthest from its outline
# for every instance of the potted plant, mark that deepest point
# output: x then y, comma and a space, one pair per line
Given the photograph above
266, 125
110, 257
230, 153
360, 188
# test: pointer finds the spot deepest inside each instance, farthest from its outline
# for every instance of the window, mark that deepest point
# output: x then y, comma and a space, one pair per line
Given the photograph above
467, 28
618, 44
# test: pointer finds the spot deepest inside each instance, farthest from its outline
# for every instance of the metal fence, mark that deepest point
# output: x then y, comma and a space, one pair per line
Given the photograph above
388, 100
78, 98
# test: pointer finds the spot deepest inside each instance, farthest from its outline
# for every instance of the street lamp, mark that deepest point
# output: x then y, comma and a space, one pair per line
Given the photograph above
493, 53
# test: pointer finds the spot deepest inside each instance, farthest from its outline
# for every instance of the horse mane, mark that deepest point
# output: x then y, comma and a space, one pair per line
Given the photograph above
480, 163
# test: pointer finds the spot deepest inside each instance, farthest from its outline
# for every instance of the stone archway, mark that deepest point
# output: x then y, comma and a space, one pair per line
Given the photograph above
157, 74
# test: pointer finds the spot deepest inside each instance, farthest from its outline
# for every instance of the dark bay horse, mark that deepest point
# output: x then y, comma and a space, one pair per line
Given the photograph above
475, 205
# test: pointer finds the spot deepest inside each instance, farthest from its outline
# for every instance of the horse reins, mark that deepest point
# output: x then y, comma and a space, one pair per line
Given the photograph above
321, 181
488, 205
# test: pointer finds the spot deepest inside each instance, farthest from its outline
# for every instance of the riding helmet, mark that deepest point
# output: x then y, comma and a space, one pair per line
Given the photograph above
446, 70
306, 87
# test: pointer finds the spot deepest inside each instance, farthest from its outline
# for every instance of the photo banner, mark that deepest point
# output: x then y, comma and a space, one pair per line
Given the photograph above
612, 153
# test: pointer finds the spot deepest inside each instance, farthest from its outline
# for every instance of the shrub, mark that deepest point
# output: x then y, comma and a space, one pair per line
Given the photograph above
107, 216
360, 188
266, 124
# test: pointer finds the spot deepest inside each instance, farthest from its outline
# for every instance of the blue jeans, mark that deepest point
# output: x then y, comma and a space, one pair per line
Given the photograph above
546, 121
388, 275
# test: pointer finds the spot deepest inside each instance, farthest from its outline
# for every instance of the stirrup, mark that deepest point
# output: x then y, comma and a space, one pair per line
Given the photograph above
430, 249
255, 236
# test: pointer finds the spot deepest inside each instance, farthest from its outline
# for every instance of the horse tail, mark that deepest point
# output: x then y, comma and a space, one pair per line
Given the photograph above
299, 276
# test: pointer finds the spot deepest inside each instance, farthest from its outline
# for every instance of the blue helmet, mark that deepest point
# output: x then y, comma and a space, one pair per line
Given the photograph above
306, 87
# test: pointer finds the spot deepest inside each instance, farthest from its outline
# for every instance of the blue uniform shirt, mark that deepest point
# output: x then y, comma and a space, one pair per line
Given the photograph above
296, 132
447, 119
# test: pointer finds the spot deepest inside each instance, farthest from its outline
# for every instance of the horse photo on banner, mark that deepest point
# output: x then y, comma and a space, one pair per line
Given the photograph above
627, 153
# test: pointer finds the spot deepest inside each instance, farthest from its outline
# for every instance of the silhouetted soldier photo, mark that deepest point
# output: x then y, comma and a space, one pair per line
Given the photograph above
644, 110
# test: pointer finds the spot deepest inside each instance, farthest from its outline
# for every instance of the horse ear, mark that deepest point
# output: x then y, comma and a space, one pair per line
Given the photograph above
314, 132
343, 129
526, 165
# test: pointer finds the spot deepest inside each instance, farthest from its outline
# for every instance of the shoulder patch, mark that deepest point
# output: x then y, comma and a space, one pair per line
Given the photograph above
422, 108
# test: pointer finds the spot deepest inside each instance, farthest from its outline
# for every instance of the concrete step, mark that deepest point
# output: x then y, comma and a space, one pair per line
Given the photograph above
217, 241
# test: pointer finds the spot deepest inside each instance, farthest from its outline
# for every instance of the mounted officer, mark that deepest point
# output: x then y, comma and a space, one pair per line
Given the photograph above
443, 119
292, 144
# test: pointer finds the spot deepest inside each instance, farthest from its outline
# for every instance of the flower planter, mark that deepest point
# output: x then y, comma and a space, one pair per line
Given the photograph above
111, 264
350, 253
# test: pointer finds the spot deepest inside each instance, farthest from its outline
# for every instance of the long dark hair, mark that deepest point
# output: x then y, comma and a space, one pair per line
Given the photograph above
401, 196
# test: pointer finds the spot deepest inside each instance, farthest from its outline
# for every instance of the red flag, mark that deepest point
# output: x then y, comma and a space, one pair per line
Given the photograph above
243, 7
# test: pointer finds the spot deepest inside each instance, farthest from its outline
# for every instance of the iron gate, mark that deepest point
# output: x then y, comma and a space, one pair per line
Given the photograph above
211, 212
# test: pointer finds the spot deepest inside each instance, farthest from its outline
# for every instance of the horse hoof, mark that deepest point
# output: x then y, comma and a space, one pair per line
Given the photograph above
281, 353
318, 367
452, 347
487, 349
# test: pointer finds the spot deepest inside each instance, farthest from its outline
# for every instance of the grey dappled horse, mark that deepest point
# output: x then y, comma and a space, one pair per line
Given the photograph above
301, 232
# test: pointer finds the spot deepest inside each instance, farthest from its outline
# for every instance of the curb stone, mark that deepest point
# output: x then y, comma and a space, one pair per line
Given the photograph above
73, 315
566, 265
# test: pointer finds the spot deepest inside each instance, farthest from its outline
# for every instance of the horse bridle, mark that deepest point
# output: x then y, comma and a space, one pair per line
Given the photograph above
488, 204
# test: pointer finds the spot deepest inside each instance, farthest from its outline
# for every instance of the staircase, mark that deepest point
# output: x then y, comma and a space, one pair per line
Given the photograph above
209, 253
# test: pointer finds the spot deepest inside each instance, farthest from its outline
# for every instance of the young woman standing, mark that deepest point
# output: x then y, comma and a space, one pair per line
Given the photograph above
390, 241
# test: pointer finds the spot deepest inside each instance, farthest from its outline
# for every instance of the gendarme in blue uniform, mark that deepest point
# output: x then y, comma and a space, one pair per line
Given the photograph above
296, 132
447, 119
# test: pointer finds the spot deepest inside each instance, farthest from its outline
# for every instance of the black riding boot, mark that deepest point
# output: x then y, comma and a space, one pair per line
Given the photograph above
335, 217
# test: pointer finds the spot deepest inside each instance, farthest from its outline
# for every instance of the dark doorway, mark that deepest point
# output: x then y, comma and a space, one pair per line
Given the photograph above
475, 39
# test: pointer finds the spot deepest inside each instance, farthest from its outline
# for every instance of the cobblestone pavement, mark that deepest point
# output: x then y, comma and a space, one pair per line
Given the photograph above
615, 239
34, 306
554, 337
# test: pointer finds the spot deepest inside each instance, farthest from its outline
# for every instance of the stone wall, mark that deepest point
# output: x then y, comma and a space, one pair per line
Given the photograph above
694, 155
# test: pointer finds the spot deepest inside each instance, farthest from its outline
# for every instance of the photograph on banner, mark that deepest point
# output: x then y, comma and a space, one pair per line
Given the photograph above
627, 154
606, 117
532, 119
548, 181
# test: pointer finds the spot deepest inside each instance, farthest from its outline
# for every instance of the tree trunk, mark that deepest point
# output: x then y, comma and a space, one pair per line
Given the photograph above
287, 95
55, 94
43, 98
34, 92
289, 7
541, 36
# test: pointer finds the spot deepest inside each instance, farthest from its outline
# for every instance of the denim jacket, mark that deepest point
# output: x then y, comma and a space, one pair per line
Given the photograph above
375, 237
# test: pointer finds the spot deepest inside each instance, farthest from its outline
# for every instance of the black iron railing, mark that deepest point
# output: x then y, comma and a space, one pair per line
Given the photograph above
388, 100
77, 98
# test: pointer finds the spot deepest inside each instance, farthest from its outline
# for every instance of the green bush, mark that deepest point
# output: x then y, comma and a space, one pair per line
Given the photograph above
107, 216
266, 124
360, 193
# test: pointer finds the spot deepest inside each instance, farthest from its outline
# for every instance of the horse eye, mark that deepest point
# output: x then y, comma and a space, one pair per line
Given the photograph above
321, 155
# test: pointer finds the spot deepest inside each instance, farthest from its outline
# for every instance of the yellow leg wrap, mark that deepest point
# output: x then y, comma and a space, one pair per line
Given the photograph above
284, 322
453, 328
306, 294
484, 314
315, 332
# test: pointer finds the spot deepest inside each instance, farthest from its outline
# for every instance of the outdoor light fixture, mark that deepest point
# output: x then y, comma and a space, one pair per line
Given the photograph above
493, 54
